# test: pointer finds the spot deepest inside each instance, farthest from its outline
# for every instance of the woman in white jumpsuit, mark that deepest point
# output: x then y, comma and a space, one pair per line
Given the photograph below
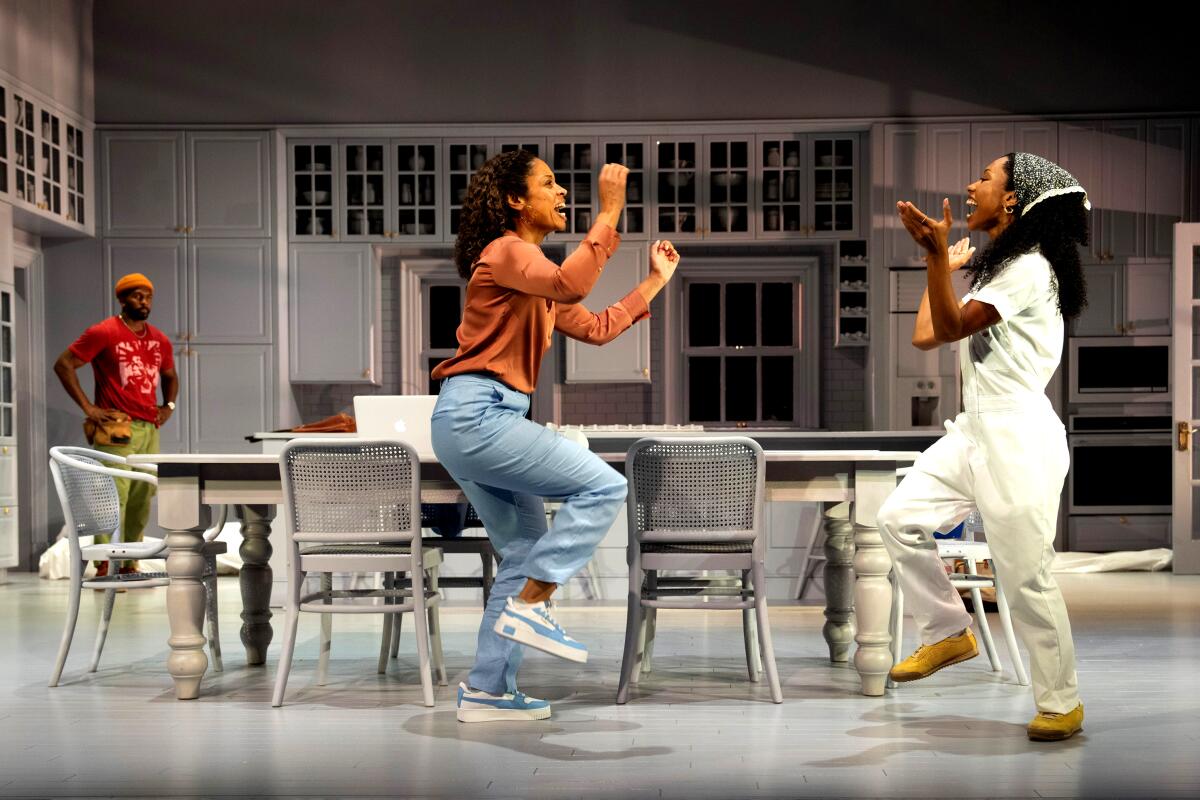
1006, 453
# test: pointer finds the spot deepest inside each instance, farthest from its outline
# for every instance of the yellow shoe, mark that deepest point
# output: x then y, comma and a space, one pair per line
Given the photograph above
1050, 727
929, 658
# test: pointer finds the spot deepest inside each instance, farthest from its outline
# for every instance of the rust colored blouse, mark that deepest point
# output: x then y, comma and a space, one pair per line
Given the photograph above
517, 298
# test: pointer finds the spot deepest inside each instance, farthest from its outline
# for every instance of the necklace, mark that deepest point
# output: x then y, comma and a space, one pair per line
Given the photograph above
141, 335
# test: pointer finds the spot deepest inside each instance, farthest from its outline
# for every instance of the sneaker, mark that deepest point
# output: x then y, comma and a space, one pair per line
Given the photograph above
929, 658
1050, 727
476, 706
532, 624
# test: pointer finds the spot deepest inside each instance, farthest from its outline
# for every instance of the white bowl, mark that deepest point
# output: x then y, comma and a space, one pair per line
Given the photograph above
317, 197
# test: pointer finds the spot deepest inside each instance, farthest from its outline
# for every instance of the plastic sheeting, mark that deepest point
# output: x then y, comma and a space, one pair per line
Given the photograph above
1120, 561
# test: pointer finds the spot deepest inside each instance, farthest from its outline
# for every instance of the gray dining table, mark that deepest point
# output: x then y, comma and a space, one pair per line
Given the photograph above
858, 593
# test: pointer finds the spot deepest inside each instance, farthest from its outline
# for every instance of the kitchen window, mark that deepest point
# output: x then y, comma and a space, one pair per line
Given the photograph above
749, 346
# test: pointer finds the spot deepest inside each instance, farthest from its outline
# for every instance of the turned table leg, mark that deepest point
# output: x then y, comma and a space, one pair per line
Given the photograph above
839, 582
872, 590
185, 520
255, 579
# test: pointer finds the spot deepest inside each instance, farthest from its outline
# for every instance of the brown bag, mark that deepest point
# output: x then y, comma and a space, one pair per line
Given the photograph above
113, 432
338, 423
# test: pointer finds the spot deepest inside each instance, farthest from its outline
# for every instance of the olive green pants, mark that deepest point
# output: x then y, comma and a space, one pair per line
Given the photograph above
135, 496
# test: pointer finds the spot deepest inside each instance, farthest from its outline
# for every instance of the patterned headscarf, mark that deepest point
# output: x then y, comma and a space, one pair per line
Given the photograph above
1035, 179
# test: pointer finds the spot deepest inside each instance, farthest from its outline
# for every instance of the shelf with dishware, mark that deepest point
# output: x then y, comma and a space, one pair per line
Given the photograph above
809, 185
851, 327
45, 159
733, 186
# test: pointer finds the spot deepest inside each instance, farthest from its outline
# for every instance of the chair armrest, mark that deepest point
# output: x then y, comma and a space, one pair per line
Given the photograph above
69, 456
218, 523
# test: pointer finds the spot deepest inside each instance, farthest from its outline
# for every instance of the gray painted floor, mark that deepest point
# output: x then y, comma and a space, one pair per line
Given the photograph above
694, 729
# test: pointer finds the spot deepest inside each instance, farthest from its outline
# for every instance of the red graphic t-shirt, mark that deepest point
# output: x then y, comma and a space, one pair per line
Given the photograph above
126, 365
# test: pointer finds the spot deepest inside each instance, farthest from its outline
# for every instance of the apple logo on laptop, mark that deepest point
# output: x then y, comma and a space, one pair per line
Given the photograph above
400, 426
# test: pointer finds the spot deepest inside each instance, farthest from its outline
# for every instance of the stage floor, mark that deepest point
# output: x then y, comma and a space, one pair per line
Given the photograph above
694, 729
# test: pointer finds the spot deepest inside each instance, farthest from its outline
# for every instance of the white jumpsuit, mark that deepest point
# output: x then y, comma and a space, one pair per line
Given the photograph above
1006, 455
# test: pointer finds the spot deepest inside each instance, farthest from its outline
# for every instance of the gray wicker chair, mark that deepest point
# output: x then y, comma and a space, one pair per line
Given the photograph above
354, 507
696, 504
87, 492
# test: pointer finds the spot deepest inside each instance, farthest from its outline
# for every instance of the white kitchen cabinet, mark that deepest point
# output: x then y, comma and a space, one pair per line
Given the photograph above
175, 184
728, 201
634, 153
45, 155
9, 542
991, 140
230, 282
1167, 143
415, 192
334, 314
227, 177
677, 185
314, 185
1131, 298
626, 358
1108, 158
164, 262
230, 395
576, 165
923, 164
205, 290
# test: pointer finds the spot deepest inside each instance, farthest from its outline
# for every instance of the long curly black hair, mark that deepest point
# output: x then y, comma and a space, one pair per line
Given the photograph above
486, 214
1055, 227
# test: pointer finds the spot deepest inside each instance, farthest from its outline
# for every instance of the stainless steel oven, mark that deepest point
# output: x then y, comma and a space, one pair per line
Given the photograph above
1120, 464
1119, 369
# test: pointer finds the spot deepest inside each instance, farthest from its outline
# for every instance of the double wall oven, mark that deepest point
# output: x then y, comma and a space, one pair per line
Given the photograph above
1119, 433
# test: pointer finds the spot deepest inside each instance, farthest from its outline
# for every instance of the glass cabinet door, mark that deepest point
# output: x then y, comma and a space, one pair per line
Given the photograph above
3, 140
677, 171
532, 145
834, 182
76, 174
782, 188
24, 150
573, 163
7, 365
364, 199
728, 190
632, 154
415, 166
463, 157
313, 189
51, 163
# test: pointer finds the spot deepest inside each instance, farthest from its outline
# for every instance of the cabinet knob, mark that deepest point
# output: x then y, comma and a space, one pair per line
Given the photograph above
645, 373
7, 510
4, 450
367, 372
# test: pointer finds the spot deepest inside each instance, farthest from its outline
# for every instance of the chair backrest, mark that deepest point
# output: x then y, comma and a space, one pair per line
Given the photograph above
695, 489
353, 490
89, 500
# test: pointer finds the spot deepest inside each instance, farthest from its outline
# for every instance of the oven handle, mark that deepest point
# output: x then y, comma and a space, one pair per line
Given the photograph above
1127, 439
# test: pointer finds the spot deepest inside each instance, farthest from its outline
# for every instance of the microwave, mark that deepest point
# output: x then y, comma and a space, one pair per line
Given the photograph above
1119, 369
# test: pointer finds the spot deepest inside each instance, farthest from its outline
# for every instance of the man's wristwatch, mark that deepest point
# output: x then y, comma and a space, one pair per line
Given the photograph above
171, 404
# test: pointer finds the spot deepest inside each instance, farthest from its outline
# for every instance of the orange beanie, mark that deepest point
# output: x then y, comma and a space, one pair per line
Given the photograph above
132, 281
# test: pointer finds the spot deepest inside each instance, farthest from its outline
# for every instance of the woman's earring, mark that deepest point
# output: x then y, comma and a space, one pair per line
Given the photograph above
1008, 209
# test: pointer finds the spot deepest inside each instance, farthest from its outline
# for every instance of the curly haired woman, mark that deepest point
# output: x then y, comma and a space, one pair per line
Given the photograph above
1006, 454
505, 464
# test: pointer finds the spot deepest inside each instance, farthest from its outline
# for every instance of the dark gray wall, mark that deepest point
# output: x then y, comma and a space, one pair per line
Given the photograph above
315, 61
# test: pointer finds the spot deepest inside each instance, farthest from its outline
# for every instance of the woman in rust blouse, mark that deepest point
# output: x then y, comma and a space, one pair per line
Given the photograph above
516, 299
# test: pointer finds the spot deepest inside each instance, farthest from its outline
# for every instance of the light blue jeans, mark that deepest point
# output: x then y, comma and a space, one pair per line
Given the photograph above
505, 465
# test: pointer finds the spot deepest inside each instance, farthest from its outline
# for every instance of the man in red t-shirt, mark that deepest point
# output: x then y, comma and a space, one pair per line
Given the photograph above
130, 357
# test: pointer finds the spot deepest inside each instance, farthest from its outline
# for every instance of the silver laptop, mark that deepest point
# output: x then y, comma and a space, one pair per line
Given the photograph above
397, 416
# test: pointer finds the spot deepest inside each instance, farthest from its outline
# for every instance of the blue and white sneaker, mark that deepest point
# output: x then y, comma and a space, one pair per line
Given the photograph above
476, 706
532, 624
